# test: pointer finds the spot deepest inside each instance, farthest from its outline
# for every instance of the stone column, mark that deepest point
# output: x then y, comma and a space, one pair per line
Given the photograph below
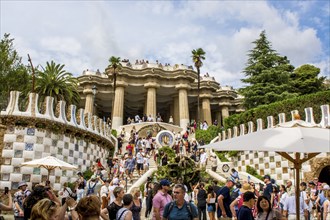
151, 99
118, 107
176, 113
224, 106
206, 111
89, 103
224, 112
183, 105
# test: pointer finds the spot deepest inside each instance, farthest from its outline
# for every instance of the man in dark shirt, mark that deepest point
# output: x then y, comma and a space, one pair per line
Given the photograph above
245, 212
224, 200
269, 187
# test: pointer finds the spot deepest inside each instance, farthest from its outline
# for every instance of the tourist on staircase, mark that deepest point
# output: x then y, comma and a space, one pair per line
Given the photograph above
139, 161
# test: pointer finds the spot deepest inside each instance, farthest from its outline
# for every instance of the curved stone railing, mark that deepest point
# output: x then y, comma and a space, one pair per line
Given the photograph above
78, 119
309, 118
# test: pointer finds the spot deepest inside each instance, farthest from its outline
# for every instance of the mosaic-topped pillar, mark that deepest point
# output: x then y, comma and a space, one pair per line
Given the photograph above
151, 107
118, 110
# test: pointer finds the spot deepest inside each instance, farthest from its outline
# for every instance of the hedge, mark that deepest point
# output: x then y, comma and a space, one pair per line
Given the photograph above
314, 100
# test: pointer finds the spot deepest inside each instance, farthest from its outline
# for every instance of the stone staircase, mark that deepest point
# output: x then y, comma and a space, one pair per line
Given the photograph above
136, 177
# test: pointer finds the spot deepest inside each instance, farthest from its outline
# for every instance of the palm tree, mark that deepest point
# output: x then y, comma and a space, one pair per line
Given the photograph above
56, 82
114, 64
197, 57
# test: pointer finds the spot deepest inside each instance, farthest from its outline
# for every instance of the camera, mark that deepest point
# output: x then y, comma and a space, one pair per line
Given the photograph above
6, 190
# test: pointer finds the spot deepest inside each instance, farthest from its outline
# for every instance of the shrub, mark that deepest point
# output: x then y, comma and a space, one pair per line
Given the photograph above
253, 172
314, 100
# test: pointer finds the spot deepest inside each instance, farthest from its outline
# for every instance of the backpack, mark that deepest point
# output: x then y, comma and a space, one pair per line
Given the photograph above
90, 190
234, 194
188, 207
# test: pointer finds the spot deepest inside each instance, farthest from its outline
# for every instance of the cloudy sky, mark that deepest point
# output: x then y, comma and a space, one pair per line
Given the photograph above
84, 34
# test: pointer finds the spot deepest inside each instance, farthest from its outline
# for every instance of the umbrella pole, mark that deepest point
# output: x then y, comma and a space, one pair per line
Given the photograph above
48, 174
297, 166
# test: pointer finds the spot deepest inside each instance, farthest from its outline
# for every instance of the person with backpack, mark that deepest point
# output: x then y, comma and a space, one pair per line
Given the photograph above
125, 213
179, 209
94, 185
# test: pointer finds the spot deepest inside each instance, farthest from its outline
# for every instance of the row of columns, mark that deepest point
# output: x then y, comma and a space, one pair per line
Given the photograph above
179, 109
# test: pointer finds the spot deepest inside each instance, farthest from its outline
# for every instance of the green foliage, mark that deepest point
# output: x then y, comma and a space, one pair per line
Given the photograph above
180, 167
222, 156
233, 153
267, 74
253, 172
87, 174
197, 56
169, 151
208, 135
304, 80
56, 82
114, 132
13, 74
314, 100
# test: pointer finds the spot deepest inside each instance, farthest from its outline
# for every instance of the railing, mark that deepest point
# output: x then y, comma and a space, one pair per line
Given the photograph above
72, 117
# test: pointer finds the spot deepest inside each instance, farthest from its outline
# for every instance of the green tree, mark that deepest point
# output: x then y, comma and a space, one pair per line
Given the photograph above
13, 74
197, 56
267, 74
115, 65
54, 81
304, 80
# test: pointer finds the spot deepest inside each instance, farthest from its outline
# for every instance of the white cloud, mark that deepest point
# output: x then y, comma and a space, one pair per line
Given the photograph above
85, 34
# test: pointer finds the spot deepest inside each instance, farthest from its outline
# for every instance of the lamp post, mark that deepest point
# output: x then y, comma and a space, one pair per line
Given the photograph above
94, 91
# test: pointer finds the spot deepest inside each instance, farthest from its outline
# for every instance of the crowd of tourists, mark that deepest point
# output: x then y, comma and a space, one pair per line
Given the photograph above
162, 199
103, 195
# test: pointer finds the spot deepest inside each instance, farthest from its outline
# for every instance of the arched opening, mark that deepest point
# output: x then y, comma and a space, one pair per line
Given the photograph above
325, 175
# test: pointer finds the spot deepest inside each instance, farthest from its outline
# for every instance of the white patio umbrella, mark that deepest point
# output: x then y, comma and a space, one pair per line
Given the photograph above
292, 137
49, 163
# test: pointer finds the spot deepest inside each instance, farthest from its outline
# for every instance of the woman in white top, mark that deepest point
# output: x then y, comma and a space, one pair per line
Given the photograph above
283, 196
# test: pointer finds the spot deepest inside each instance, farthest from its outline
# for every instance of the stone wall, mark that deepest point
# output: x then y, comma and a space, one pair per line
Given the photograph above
28, 135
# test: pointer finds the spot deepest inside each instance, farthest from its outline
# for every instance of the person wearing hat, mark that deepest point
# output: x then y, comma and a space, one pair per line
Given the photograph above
224, 200
19, 198
161, 199
268, 190
238, 202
